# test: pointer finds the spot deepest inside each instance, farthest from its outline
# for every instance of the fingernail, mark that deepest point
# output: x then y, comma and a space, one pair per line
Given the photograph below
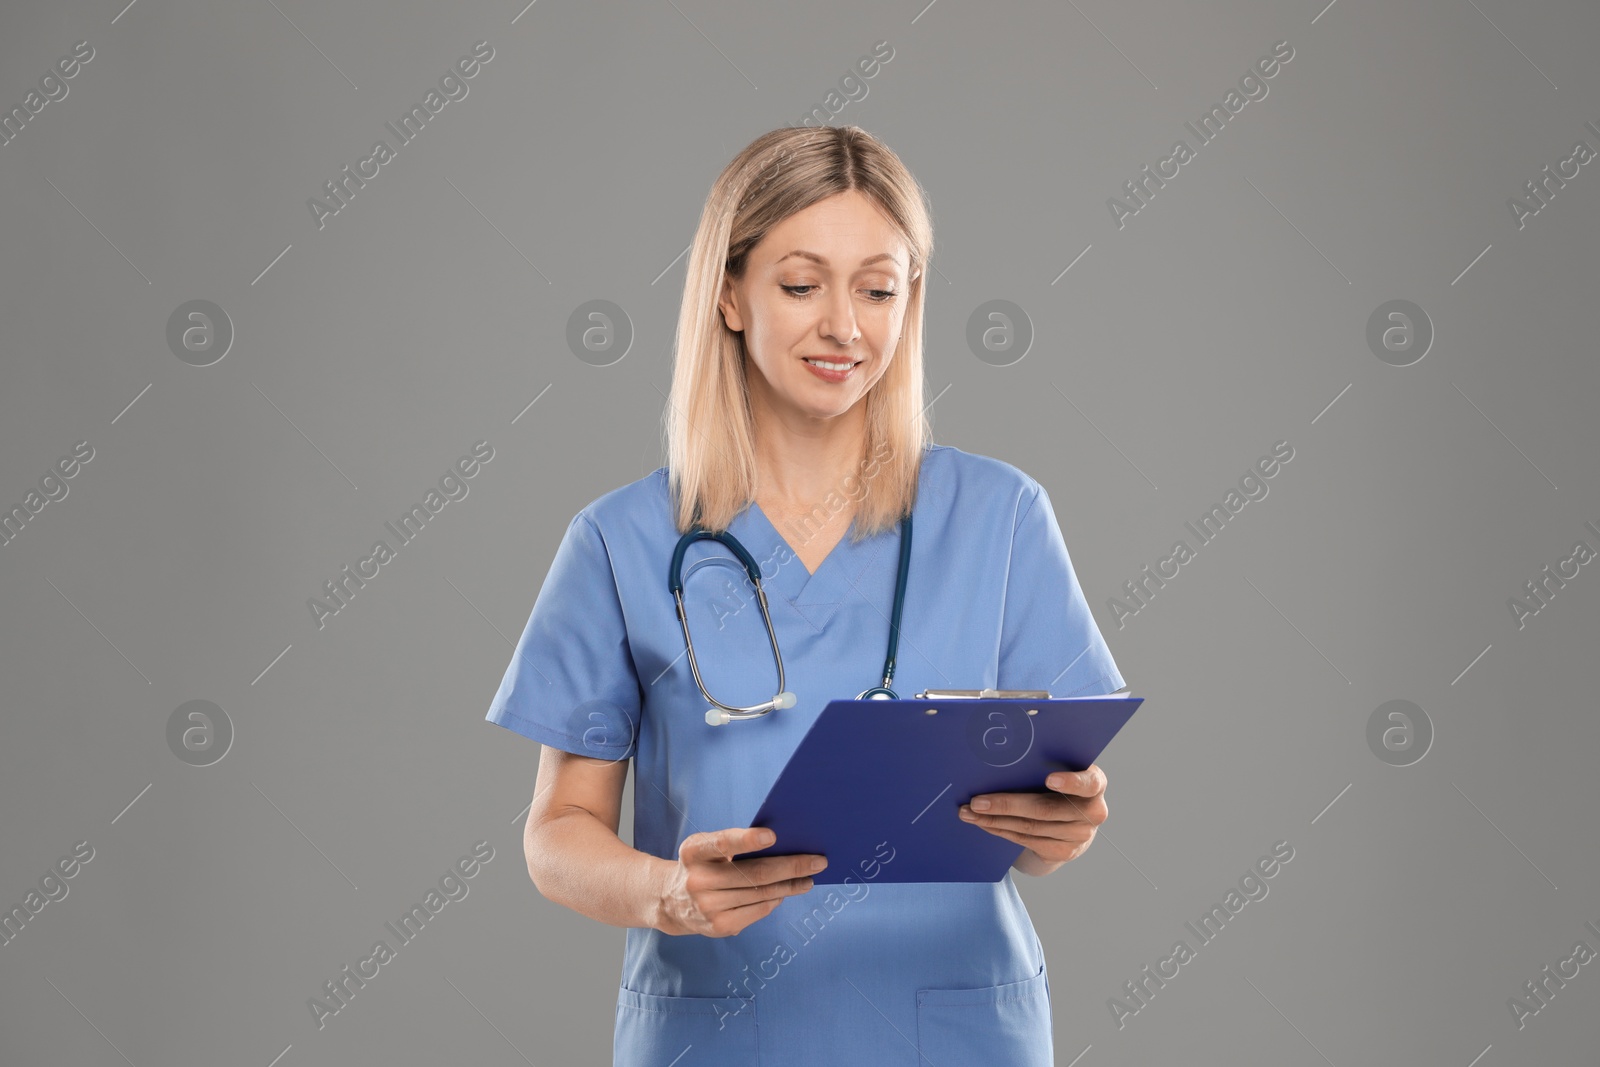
818, 863
980, 804
967, 815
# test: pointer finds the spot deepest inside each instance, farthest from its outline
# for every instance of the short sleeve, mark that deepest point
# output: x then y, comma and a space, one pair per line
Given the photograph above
1048, 638
571, 683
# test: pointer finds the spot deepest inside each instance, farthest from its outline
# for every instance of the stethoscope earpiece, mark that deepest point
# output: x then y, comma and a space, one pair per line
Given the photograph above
721, 716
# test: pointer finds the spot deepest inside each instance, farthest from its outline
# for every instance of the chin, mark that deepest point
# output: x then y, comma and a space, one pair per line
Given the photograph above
832, 411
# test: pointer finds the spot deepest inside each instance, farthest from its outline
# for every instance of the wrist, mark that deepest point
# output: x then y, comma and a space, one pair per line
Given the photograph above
657, 875
1030, 862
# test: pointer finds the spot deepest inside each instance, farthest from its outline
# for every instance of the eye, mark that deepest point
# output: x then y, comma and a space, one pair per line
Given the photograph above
877, 296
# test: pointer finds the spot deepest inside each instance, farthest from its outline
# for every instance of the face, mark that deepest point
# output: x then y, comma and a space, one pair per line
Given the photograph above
828, 282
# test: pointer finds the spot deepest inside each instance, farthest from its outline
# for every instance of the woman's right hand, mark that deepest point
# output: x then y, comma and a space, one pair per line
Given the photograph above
709, 892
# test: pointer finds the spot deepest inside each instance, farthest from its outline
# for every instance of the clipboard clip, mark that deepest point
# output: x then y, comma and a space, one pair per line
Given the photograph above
984, 694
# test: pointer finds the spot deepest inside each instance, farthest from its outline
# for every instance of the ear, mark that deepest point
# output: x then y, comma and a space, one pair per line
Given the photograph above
728, 302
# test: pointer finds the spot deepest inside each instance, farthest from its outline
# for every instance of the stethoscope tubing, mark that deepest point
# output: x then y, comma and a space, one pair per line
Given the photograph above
723, 713
675, 583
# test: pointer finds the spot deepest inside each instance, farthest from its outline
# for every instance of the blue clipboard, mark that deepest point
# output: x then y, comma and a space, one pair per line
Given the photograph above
877, 778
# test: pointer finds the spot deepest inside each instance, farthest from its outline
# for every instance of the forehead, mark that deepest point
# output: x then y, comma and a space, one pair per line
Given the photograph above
843, 230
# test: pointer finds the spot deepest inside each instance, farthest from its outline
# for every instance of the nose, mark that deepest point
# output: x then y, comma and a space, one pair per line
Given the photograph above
839, 320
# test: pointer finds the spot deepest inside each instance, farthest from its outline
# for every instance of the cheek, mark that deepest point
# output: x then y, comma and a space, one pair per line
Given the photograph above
765, 352
869, 383
775, 329
888, 332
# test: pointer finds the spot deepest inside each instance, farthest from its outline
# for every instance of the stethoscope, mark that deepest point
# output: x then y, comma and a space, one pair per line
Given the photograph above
721, 714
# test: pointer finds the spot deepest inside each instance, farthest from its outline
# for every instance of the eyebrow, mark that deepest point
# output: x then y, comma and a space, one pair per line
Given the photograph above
819, 259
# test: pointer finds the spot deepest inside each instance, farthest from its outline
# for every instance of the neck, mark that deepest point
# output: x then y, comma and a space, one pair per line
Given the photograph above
799, 461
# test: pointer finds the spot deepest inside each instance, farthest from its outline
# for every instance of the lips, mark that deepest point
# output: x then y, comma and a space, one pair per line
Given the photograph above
829, 375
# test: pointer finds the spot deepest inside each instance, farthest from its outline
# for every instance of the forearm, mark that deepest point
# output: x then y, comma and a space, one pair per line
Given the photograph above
578, 862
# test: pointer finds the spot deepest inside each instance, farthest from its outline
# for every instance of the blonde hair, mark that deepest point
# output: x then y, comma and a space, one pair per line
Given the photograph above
709, 435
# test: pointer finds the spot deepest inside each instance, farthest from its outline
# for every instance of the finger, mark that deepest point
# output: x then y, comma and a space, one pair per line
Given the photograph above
1042, 811
1074, 830
725, 844
770, 869
736, 919
1034, 805
731, 897
1048, 848
1085, 783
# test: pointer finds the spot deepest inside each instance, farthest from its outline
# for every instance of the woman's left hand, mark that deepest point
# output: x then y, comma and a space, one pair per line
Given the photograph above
1053, 827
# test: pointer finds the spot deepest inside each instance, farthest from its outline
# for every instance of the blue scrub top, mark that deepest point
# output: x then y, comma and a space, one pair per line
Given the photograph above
912, 974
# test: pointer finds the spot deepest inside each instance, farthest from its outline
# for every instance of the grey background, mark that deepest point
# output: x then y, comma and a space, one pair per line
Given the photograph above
1229, 314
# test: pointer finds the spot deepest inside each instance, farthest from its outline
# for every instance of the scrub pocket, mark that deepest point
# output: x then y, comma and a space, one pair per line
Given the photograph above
652, 1031
1007, 1024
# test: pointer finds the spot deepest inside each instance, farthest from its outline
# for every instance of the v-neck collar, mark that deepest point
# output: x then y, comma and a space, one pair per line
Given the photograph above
815, 596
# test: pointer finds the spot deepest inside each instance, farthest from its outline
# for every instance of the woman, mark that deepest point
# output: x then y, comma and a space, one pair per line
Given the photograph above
797, 389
